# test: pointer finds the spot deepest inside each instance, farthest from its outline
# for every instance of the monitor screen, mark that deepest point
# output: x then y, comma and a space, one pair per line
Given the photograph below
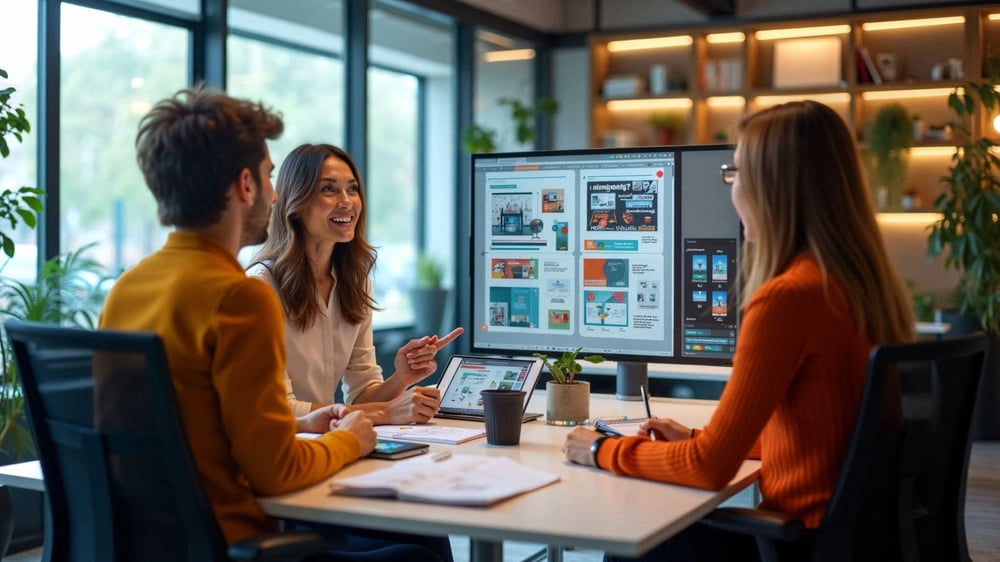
631, 253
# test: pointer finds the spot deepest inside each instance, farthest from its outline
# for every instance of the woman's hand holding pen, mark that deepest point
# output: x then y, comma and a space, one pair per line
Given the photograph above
665, 429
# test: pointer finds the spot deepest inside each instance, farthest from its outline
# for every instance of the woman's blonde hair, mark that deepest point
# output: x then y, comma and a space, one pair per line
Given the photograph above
801, 175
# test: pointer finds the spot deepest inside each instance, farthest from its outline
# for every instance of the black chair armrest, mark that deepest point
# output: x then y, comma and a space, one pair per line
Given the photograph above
285, 546
757, 522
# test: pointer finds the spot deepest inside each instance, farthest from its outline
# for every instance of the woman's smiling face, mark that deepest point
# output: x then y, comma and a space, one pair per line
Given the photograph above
332, 213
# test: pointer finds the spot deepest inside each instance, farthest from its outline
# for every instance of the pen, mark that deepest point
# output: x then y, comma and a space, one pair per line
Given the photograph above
440, 456
649, 414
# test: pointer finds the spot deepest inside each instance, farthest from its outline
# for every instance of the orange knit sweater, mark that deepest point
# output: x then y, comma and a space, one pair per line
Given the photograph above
792, 398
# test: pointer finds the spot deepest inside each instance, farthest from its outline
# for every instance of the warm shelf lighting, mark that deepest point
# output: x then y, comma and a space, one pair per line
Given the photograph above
928, 151
726, 101
792, 32
908, 218
650, 43
993, 17
719, 38
647, 104
910, 24
905, 94
835, 97
509, 55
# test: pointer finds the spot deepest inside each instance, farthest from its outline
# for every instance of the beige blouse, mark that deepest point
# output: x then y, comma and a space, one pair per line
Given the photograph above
331, 351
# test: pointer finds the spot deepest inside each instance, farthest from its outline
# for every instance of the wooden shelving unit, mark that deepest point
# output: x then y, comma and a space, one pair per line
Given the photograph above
718, 75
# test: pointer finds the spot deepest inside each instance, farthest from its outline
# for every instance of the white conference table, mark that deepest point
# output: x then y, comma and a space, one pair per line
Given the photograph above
587, 508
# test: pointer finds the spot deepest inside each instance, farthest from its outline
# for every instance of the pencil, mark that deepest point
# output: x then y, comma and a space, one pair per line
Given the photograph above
649, 414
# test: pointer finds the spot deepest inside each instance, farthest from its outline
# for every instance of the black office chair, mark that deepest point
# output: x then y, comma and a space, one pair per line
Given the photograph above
119, 478
901, 492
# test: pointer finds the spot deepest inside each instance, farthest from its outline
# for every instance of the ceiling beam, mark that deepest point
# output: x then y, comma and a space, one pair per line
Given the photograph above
712, 8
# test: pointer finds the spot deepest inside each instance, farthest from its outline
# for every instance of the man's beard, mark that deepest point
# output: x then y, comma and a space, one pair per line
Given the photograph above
255, 229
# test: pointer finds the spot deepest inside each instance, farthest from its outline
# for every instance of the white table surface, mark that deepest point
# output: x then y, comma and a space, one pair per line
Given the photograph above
27, 475
587, 508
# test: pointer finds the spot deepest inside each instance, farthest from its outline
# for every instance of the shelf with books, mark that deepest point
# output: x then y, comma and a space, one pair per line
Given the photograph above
919, 57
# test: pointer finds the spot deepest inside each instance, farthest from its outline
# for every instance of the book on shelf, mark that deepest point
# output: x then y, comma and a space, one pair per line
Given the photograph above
470, 480
619, 425
430, 433
869, 64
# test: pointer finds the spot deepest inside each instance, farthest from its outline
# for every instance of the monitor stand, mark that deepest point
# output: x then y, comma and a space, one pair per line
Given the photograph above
629, 378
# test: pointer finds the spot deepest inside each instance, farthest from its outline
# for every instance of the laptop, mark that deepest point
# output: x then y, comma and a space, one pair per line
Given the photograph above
466, 375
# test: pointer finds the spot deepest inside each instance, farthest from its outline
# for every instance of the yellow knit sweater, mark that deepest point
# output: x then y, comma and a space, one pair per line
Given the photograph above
225, 344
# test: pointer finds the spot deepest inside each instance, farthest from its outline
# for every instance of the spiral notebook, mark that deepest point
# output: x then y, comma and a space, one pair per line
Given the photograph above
618, 426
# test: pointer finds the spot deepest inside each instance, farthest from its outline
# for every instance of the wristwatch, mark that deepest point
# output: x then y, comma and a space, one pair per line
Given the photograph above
594, 447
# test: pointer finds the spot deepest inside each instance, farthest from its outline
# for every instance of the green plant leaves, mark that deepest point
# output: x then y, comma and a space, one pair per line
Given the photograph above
968, 233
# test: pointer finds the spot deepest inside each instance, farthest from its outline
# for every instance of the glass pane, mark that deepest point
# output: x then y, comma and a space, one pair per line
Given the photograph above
190, 7
114, 68
411, 123
307, 89
291, 59
505, 68
18, 43
392, 185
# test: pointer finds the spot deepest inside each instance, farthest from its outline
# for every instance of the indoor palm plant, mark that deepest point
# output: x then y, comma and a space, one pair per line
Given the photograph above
968, 235
16, 206
567, 400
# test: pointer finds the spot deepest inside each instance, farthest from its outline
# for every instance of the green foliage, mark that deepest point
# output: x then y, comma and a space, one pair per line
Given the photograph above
69, 291
479, 139
430, 272
888, 144
13, 120
565, 368
968, 233
23, 203
668, 120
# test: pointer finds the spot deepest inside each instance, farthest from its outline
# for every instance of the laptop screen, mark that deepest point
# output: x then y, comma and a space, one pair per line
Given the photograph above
467, 375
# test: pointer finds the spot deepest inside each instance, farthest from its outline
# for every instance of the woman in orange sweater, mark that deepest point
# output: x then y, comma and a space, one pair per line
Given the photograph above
819, 292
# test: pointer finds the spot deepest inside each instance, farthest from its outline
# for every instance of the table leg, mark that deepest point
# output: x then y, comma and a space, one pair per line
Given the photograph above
485, 551
555, 554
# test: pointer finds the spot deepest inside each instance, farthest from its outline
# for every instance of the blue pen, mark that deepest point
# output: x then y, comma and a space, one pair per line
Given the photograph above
649, 414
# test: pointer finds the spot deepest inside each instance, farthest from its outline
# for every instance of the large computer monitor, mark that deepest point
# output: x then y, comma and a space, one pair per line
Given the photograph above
631, 253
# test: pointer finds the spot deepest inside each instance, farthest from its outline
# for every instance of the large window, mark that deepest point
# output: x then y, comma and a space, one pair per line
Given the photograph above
411, 108
505, 68
113, 69
18, 44
290, 56
393, 187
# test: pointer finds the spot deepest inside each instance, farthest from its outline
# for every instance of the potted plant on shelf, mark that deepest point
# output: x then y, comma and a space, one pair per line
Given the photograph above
567, 400
968, 235
429, 297
666, 126
888, 143
479, 139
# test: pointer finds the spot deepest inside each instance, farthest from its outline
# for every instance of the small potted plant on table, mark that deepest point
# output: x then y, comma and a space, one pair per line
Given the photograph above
567, 401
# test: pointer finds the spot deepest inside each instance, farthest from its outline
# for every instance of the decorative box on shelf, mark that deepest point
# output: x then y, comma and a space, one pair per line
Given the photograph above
624, 86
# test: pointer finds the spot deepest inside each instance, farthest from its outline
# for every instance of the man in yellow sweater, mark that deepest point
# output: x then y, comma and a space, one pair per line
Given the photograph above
204, 156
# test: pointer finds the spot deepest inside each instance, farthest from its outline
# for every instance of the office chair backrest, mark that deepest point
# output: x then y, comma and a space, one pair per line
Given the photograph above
120, 480
913, 432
